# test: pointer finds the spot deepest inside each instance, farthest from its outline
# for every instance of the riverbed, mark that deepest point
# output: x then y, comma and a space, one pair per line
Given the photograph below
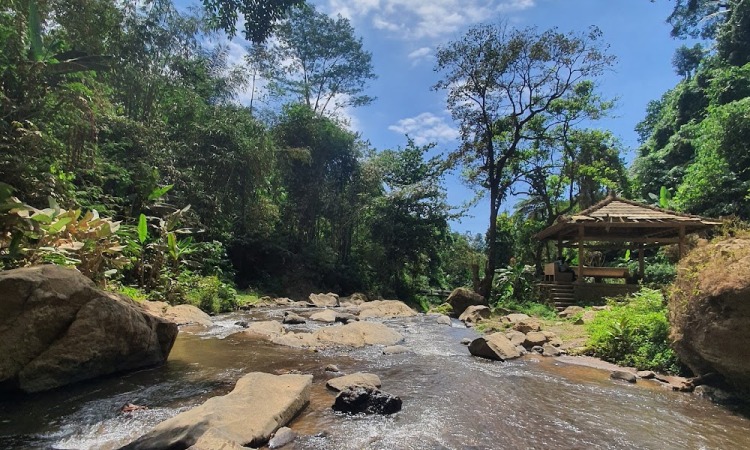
451, 400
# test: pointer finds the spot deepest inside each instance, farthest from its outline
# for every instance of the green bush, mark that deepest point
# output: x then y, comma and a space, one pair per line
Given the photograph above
533, 309
634, 333
208, 293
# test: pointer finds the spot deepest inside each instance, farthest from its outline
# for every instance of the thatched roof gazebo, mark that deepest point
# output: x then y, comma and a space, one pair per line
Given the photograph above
618, 222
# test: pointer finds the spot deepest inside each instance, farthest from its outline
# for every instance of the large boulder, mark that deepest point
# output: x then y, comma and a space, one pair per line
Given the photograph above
327, 315
259, 404
57, 327
474, 314
494, 346
324, 300
710, 311
384, 309
462, 298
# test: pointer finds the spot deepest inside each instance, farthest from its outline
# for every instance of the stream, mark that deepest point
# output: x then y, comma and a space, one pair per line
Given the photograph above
451, 400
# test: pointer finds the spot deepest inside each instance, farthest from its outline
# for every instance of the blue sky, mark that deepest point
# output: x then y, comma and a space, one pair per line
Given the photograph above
403, 35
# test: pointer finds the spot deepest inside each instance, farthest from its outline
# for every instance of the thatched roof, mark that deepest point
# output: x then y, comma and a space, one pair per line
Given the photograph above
618, 219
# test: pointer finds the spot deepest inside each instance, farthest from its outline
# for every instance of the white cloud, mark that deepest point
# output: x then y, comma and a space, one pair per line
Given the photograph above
419, 55
426, 128
415, 19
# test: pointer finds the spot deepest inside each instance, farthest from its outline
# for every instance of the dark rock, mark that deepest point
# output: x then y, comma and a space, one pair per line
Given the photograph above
645, 374
291, 318
346, 317
537, 349
623, 375
716, 395
242, 324
366, 400
332, 368
462, 298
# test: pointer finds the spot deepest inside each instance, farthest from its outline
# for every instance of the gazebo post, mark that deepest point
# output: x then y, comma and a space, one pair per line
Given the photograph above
559, 248
581, 235
641, 264
681, 245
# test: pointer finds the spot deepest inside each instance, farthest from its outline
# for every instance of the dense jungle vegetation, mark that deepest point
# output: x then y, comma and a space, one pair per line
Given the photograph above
125, 152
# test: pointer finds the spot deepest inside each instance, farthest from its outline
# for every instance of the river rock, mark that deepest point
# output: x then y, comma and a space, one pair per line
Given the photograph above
187, 315
395, 350
346, 317
358, 334
214, 439
550, 350
570, 311
324, 300
385, 309
366, 400
474, 314
296, 340
462, 298
623, 375
465, 341
327, 316
267, 328
358, 298
242, 323
716, 395
354, 380
710, 311
645, 374
282, 437
516, 337
283, 301
494, 346
515, 318
552, 338
527, 325
443, 320
258, 405
57, 327
534, 338
291, 318
332, 368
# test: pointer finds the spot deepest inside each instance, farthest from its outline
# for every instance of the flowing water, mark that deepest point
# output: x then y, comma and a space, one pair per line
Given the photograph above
451, 400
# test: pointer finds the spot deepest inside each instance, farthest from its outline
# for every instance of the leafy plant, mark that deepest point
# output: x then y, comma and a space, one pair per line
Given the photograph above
634, 333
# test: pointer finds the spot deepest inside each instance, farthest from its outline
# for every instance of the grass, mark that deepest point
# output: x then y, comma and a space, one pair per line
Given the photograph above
248, 298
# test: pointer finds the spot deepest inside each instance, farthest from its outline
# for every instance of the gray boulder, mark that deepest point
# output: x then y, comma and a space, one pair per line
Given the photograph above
494, 346
57, 328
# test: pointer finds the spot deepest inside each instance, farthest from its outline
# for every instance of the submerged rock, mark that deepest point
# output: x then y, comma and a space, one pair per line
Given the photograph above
258, 405
57, 328
395, 350
366, 400
623, 375
494, 346
354, 380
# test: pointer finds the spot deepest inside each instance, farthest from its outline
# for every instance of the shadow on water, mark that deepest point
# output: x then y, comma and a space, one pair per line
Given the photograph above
451, 400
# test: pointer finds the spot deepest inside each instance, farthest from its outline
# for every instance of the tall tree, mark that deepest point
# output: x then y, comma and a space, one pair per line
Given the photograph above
259, 16
499, 81
318, 61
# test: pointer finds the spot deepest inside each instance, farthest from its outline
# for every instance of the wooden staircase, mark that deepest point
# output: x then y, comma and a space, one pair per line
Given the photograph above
561, 296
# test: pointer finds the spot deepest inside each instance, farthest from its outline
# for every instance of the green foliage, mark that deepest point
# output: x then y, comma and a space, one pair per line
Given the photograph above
514, 283
132, 292
634, 332
208, 293
259, 16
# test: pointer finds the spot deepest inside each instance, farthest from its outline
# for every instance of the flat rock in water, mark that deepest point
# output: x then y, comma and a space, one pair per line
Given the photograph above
267, 328
494, 346
358, 334
214, 439
187, 315
395, 350
623, 375
354, 380
327, 316
645, 374
385, 309
259, 404
297, 340
366, 400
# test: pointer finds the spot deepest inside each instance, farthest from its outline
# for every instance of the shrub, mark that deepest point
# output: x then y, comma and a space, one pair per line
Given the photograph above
208, 293
634, 333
